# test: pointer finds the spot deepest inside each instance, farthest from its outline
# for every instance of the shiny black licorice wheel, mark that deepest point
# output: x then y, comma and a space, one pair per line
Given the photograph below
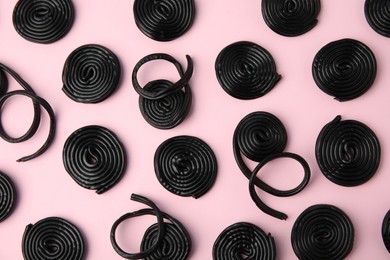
345, 69
164, 20
246, 70
386, 230
52, 238
185, 165
7, 196
377, 13
322, 232
43, 21
244, 240
348, 152
95, 158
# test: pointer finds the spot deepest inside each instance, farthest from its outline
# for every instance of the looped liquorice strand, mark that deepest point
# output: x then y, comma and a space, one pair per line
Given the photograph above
185, 166
386, 230
347, 152
377, 13
91, 74
322, 232
7, 196
345, 69
43, 21
94, 157
245, 70
290, 17
244, 240
3, 83
164, 20
52, 238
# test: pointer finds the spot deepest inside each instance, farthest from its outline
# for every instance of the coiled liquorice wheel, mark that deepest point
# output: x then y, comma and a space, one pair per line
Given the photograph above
7, 196
322, 232
185, 165
94, 157
43, 21
164, 20
246, 70
377, 13
345, 69
347, 152
91, 74
244, 240
290, 17
386, 230
52, 238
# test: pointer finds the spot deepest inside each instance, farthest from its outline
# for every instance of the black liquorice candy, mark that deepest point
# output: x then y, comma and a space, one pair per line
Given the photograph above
43, 21
95, 158
386, 230
7, 196
345, 69
246, 70
322, 231
348, 152
378, 16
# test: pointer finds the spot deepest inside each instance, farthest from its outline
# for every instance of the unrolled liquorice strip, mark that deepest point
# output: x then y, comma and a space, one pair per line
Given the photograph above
378, 16
7, 196
322, 232
244, 240
43, 21
347, 152
386, 230
246, 70
94, 157
91, 74
52, 238
345, 69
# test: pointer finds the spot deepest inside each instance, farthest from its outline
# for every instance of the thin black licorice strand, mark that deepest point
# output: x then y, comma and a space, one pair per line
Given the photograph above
52, 238
290, 18
386, 230
7, 196
378, 16
244, 238
345, 69
3, 83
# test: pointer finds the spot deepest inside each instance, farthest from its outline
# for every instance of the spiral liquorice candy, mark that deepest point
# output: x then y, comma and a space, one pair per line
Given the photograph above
246, 70
52, 238
322, 232
386, 230
94, 157
244, 240
345, 69
91, 74
7, 196
347, 152
377, 13
43, 21
164, 20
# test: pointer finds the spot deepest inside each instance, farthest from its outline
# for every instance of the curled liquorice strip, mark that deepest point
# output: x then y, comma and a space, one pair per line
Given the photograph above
185, 165
386, 230
164, 20
7, 196
43, 21
246, 70
378, 16
3, 83
290, 17
52, 238
244, 240
347, 152
345, 69
322, 232
94, 157
91, 74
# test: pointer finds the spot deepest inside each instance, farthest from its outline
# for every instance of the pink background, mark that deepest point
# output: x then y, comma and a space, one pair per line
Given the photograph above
45, 189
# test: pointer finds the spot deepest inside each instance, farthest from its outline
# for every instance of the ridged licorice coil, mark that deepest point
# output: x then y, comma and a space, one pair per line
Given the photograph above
246, 70
164, 20
94, 157
185, 165
377, 13
348, 152
322, 232
386, 230
244, 240
52, 238
345, 69
7, 196
290, 17
43, 21
91, 74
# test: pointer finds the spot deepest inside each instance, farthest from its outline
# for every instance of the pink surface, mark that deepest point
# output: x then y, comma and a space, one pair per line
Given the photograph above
45, 189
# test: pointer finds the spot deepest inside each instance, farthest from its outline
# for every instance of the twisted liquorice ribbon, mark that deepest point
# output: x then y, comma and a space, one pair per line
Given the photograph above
386, 230
377, 13
7, 196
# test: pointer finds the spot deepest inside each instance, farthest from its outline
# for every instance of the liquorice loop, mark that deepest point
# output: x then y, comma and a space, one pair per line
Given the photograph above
386, 230
3, 83
7, 196
377, 13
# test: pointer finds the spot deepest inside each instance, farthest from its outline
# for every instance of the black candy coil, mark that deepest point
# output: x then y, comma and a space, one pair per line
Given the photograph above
94, 157
43, 21
348, 152
322, 232
244, 240
386, 230
164, 20
345, 69
185, 165
246, 70
52, 238
377, 13
7, 196
91, 74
